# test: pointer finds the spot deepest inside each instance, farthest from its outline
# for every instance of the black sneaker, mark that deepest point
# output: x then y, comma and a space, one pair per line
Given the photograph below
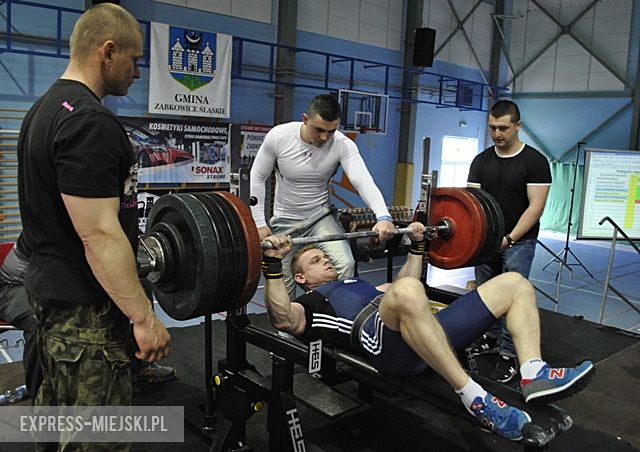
506, 368
485, 345
156, 373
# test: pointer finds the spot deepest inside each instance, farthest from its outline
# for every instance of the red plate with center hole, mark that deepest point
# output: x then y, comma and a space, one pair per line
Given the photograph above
464, 212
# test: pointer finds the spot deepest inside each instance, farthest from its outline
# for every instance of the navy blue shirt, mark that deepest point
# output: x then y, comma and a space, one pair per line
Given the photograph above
331, 308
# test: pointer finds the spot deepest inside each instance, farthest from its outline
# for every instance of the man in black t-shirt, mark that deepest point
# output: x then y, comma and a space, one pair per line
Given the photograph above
77, 183
394, 328
15, 310
518, 177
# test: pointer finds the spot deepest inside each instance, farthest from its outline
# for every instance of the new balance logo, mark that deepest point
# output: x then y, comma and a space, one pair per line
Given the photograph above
498, 402
556, 373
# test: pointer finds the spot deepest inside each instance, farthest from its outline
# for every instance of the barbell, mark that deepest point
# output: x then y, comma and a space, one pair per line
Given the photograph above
301, 241
202, 251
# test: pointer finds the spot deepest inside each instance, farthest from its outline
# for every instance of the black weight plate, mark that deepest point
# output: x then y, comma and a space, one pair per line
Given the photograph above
489, 239
497, 211
252, 240
238, 247
189, 217
498, 220
224, 239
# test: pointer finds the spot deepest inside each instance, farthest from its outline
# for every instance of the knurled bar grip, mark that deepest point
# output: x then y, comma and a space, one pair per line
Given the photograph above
345, 236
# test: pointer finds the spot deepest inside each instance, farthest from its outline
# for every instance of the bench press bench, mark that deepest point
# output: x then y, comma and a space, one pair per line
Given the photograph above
189, 234
239, 388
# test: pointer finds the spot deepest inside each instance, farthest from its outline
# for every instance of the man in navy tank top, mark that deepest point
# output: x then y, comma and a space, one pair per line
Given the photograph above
394, 328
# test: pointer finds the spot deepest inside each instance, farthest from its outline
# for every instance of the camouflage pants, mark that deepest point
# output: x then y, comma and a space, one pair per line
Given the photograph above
86, 360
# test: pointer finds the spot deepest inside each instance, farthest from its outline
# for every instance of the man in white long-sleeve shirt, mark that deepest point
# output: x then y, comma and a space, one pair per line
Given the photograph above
305, 156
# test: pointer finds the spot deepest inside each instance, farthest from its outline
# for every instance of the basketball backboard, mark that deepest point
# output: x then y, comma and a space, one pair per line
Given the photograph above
363, 112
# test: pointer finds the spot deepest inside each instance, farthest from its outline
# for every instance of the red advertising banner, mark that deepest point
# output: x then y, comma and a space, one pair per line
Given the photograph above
179, 151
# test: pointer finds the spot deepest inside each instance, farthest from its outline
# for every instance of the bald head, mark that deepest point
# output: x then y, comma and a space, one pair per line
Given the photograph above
101, 23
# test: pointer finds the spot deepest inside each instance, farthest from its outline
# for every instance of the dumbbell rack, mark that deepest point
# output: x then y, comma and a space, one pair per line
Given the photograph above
366, 219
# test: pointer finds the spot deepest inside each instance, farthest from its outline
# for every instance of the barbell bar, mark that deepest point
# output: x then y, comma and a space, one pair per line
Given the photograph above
152, 264
266, 245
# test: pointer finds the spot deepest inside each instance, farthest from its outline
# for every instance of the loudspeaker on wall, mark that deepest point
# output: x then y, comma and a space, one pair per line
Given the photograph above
424, 44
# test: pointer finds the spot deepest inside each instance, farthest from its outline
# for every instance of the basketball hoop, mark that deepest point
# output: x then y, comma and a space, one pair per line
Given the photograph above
363, 112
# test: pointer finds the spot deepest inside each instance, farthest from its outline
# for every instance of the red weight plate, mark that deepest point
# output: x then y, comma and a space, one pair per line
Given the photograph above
254, 250
461, 209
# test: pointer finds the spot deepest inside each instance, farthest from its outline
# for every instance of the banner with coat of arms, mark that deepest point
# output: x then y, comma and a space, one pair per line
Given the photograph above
190, 72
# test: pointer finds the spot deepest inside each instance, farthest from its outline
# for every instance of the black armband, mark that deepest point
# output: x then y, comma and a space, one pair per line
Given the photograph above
417, 247
271, 267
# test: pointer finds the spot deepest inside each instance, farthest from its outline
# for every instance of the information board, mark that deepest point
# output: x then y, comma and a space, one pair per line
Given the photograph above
611, 188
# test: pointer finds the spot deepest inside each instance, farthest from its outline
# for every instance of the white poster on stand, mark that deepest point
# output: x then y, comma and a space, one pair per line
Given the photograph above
251, 138
145, 203
190, 72
611, 188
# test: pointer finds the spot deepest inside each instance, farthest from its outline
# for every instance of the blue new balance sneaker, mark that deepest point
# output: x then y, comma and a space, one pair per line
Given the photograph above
557, 383
496, 416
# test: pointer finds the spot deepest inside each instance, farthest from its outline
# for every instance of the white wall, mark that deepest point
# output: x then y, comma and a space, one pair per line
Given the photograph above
258, 10
373, 22
566, 66
437, 14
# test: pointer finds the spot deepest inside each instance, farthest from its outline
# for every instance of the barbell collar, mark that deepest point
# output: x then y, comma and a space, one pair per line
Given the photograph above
158, 272
146, 258
447, 227
266, 245
151, 259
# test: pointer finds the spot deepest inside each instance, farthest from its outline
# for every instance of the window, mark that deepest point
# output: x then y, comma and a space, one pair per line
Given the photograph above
457, 154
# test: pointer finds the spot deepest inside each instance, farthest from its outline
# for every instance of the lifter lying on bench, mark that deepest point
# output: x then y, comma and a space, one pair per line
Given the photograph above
393, 326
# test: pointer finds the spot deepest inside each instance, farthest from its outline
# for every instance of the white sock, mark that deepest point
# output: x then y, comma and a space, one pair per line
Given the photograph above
530, 369
469, 392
